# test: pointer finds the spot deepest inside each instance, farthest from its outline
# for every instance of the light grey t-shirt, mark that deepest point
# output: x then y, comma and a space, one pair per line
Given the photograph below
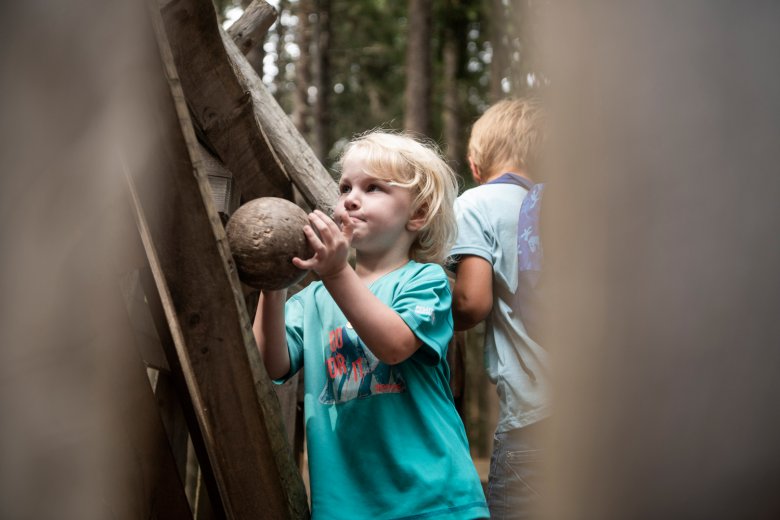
487, 227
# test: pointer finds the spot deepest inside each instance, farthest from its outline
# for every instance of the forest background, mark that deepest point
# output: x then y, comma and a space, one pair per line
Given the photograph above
431, 67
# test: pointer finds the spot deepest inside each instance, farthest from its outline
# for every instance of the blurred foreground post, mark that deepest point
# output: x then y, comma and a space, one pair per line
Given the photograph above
96, 131
664, 250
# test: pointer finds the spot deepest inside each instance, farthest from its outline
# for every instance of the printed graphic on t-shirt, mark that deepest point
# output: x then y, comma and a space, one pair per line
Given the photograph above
353, 371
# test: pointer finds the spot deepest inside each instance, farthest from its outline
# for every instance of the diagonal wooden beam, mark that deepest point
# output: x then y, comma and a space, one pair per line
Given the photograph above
241, 120
290, 150
219, 106
236, 409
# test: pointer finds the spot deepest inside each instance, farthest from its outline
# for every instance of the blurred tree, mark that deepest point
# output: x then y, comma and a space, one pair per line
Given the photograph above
341, 68
515, 70
455, 16
323, 83
301, 110
417, 94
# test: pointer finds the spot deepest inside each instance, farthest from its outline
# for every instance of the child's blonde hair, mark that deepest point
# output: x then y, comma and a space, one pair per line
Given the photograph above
419, 167
509, 132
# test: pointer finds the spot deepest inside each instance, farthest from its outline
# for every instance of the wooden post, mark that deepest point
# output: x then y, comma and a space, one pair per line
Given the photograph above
236, 410
250, 30
234, 110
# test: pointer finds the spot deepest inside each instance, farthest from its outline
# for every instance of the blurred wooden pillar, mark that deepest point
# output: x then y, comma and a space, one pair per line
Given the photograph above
214, 354
664, 250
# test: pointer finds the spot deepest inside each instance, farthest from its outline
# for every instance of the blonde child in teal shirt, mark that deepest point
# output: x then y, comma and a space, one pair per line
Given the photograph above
384, 438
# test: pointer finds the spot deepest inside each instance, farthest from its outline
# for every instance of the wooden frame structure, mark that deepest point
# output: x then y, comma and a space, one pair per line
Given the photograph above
220, 448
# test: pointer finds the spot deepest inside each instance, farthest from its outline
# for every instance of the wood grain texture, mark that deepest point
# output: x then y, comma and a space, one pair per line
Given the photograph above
220, 107
237, 413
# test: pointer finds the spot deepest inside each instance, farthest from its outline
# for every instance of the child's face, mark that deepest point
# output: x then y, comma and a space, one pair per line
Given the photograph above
378, 210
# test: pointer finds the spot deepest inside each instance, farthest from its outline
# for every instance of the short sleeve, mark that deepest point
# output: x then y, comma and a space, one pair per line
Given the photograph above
293, 321
473, 239
424, 303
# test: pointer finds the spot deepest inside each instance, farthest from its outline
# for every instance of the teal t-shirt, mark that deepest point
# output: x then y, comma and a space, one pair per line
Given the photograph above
384, 441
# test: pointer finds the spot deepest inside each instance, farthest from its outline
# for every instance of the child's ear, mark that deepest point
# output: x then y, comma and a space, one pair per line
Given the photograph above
474, 171
417, 220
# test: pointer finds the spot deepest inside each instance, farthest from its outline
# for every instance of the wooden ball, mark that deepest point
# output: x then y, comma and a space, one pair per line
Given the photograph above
264, 235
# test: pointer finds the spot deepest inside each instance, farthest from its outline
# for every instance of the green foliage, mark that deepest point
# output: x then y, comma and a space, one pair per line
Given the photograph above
367, 54
367, 58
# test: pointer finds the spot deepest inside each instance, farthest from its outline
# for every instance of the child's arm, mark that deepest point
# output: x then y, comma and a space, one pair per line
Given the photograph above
472, 296
270, 333
384, 332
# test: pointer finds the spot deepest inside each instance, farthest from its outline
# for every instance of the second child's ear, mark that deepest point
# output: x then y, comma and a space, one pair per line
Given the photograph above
417, 220
474, 171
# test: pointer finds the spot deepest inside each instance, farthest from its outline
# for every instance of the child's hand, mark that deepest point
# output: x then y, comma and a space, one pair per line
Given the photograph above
331, 247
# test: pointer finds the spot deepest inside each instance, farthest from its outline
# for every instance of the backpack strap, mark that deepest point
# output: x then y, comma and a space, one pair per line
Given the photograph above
512, 178
530, 259
530, 255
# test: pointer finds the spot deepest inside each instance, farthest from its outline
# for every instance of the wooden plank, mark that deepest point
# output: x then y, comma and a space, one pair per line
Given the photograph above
143, 328
236, 410
174, 403
157, 310
173, 420
240, 119
288, 147
220, 107
289, 406
150, 485
249, 31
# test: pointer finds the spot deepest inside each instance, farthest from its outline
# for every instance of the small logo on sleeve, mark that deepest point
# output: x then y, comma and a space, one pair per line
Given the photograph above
423, 310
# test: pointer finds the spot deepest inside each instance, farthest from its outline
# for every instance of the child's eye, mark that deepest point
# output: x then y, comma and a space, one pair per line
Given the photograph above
373, 187
344, 188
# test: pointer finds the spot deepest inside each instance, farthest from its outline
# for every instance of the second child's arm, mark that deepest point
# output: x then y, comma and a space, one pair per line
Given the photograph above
270, 333
472, 295
382, 330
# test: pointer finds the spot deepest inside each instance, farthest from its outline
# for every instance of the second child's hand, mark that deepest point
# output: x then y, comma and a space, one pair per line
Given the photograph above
331, 247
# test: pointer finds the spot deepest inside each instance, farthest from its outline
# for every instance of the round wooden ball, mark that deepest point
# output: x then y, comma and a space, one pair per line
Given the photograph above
264, 235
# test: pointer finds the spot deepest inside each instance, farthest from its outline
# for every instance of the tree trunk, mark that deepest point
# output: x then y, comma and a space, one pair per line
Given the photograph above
322, 78
450, 113
301, 111
280, 79
499, 64
417, 116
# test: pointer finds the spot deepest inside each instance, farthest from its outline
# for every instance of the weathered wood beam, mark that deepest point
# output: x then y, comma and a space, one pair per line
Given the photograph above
237, 411
178, 378
250, 30
153, 488
290, 150
237, 115
219, 105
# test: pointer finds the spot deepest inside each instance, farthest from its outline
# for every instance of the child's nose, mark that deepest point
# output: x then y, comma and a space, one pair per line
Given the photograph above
351, 201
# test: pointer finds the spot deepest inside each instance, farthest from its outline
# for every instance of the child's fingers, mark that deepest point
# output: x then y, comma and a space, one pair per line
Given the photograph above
322, 227
329, 222
303, 264
346, 227
314, 240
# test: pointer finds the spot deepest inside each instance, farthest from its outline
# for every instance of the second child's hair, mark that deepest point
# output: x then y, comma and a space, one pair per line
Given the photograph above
509, 132
406, 162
